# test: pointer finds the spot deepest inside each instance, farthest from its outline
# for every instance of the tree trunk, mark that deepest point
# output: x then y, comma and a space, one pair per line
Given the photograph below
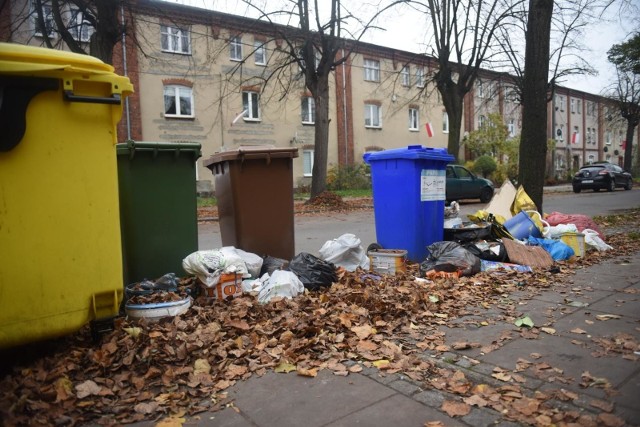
108, 31
320, 154
453, 102
533, 143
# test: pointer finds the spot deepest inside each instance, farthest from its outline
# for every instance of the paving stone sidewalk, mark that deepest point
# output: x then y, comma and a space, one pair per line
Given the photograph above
370, 398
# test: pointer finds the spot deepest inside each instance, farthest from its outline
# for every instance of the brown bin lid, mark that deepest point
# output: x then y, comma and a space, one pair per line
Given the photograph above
251, 153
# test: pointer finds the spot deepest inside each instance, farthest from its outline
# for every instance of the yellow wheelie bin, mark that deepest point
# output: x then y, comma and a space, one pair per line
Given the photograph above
60, 247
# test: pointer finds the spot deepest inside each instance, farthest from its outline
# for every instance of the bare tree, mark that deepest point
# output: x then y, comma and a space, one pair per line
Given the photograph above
316, 47
464, 39
626, 90
533, 139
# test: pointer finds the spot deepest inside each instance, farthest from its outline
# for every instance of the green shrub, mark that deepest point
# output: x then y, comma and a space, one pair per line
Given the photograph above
349, 177
485, 165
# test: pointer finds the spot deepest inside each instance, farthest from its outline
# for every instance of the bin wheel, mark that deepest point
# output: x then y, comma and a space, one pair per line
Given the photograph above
374, 247
101, 327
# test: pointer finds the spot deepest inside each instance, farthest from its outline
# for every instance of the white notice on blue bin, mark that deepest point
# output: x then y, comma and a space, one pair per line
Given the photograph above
433, 185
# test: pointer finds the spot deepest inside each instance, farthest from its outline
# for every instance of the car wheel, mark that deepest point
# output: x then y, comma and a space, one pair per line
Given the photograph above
576, 189
486, 195
611, 186
628, 185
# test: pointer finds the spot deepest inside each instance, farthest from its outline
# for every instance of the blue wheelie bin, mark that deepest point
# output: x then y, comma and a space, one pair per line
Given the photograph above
409, 192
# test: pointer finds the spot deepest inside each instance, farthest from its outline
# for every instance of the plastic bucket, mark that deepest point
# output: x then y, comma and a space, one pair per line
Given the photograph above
156, 311
522, 226
388, 261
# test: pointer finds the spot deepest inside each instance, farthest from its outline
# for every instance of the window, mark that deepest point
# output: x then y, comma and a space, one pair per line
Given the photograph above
608, 157
250, 105
481, 121
480, 88
178, 101
420, 77
562, 103
308, 109
559, 161
588, 135
579, 106
47, 15
591, 158
445, 122
372, 70
372, 116
573, 105
511, 127
307, 162
176, 40
405, 76
413, 119
235, 48
593, 136
260, 53
607, 138
80, 28
575, 138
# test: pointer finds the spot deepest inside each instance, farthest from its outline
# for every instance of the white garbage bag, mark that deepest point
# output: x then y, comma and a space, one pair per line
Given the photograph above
209, 265
346, 252
592, 238
280, 284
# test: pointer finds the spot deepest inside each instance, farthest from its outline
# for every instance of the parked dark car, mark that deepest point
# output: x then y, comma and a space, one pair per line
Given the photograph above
464, 184
601, 175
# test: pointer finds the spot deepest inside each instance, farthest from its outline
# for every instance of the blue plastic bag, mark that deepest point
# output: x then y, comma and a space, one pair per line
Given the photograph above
558, 250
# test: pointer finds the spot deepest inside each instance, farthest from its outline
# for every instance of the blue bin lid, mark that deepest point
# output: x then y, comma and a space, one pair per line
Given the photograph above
412, 152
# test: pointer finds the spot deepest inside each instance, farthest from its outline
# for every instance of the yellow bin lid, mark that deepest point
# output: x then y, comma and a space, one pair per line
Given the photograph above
30, 61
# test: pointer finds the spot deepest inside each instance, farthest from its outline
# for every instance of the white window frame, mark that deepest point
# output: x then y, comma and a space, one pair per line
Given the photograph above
588, 135
251, 105
308, 110
480, 86
372, 115
562, 105
559, 161
405, 76
81, 29
573, 106
561, 137
481, 121
607, 137
175, 40
511, 127
235, 48
445, 122
414, 119
307, 162
579, 106
179, 92
47, 14
371, 70
259, 52
420, 77
591, 158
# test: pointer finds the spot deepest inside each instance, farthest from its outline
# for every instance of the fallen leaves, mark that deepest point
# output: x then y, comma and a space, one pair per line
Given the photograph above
455, 409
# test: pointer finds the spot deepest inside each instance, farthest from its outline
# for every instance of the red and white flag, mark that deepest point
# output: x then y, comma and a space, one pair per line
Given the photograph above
575, 138
429, 129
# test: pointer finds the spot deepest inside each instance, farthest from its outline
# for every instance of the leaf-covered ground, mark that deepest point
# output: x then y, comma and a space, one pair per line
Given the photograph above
183, 365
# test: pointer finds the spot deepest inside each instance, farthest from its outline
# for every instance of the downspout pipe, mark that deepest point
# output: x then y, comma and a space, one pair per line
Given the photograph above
124, 69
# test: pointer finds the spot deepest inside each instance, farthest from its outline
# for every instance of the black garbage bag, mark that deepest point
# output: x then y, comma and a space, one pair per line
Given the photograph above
313, 272
481, 251
450, 256
271, 264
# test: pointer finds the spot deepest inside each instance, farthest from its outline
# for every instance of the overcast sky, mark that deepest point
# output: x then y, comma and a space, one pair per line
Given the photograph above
405, 30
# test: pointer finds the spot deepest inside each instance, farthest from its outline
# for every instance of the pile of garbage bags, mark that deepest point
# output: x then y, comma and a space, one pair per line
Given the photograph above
509, 234
269, 277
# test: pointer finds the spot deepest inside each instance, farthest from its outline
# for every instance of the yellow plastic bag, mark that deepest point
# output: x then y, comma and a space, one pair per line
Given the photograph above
522, 202
483, 216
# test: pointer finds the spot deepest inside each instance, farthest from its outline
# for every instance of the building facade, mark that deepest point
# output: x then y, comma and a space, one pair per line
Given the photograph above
224, 81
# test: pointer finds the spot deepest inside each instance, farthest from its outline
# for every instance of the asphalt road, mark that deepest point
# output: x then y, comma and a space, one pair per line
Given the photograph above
311, 232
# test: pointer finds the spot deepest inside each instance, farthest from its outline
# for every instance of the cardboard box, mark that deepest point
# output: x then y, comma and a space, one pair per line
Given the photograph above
229, 286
